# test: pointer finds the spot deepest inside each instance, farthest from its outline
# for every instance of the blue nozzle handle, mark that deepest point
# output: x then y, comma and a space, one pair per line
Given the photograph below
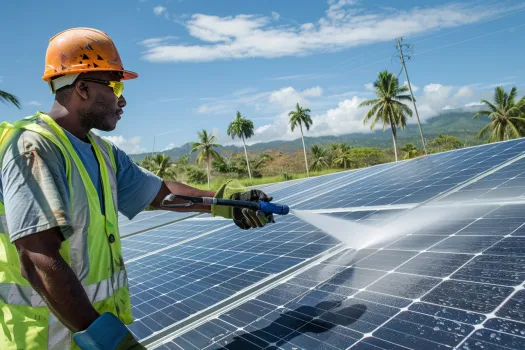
275, 208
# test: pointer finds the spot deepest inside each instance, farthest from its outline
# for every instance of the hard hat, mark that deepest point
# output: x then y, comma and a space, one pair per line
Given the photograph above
79, 50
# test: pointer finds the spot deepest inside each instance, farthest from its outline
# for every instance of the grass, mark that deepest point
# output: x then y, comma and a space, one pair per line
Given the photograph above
216, 182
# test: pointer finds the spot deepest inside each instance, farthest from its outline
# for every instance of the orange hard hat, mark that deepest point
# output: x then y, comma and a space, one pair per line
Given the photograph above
80, 50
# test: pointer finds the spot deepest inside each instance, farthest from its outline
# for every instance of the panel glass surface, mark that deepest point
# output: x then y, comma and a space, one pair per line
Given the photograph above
171, 285
506, 183
419, 292
416, 180
149, 219
150, 241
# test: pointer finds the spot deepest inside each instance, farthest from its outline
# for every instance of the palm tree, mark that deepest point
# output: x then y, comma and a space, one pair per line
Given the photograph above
410, 151
342, 158
388, 106
205, 149
507, 119
7, 97
161, 165
320, 158
243, 128
299, 117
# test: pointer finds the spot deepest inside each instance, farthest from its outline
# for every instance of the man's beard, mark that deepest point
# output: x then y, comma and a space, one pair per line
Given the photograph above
97, 116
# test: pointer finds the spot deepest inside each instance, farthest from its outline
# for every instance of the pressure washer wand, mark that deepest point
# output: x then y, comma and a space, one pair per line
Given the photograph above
265, 207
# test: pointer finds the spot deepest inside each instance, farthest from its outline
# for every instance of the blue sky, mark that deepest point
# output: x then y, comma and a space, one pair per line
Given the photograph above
201, 61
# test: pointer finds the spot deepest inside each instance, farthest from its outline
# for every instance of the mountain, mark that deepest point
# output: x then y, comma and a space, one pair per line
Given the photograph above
457, 123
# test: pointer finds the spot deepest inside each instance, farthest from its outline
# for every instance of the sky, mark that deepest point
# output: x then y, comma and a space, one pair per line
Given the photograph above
199, 62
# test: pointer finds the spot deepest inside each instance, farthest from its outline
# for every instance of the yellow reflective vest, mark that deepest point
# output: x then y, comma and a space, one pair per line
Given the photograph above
93, 251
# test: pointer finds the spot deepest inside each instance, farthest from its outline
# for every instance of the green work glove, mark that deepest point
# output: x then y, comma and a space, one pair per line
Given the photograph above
243, 217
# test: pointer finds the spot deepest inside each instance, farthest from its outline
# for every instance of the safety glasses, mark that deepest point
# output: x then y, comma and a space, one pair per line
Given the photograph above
117, 86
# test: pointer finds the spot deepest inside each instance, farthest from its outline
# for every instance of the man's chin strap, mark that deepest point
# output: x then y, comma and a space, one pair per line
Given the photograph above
62, 81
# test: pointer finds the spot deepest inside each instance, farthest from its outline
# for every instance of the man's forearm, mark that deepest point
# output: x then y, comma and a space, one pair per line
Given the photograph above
60, 289
169, 187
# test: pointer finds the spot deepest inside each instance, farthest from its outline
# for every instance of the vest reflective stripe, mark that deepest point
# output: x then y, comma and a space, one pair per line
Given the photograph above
14, 294
93, 251
57, 335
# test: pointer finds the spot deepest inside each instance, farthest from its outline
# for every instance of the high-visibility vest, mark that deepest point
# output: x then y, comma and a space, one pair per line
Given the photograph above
93, 251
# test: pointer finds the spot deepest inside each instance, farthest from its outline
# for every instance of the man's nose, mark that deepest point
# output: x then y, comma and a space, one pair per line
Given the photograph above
122, 101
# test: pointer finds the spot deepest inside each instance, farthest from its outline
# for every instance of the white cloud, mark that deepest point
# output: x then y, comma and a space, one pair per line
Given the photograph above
34, 103
275, 16
168, 147
288, 97
313, 92
343, 26
502, 84
159, 10
245, 91
370, 87
464, 92
152, 42
414, 88
131, 145
345, 117
473, 104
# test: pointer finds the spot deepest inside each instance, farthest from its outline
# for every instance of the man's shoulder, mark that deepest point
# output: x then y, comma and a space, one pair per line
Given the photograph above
22, 141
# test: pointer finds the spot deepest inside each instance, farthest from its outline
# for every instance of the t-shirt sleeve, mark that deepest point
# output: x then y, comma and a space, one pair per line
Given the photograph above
137, 187
34, 184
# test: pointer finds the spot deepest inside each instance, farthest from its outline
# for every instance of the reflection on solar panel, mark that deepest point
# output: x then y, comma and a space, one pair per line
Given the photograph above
205, 284
147, 219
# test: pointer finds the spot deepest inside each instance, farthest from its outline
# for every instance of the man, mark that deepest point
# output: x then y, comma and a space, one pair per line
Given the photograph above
63, 283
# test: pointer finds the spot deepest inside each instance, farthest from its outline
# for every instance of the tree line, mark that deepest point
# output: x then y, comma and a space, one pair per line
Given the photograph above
506, 117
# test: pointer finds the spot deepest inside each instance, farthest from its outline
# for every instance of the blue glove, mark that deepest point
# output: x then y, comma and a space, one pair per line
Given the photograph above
106, 333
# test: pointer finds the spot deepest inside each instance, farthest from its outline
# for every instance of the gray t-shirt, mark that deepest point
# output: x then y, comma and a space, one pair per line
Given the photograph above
35, 192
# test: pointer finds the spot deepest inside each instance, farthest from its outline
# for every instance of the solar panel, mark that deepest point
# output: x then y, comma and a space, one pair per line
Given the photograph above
392, 297
156, 239
414, 181
185, 279
197, 284
149, 219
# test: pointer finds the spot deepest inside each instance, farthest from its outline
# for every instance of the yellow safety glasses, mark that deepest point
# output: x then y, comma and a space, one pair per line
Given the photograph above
117, 86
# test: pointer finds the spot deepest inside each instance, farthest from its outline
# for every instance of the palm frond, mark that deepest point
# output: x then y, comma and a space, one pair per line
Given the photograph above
482, 113
369, 102
7, 97
490, 105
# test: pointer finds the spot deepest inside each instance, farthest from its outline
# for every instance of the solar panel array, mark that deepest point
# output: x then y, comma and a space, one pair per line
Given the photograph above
202, 283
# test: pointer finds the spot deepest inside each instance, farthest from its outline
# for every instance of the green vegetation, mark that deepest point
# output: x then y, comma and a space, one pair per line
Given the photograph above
161, 166
271, 162
7, 97
299, 117
205, 147
243, 128
411, 151
444, 143
507, 118
388, 107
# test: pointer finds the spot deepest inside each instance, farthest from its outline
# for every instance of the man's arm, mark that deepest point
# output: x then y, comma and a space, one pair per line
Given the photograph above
52, 278
169, 187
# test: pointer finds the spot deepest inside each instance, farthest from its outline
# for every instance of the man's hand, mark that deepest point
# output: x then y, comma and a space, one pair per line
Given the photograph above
246, 218
52, 278
243, 218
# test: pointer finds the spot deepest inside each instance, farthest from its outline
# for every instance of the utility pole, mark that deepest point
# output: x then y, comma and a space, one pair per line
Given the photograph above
402, 57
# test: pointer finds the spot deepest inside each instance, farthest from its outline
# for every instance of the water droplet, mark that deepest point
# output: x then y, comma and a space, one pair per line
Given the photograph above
436, 328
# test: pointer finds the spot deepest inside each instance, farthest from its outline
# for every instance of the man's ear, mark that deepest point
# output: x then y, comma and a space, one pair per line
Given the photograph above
82, 89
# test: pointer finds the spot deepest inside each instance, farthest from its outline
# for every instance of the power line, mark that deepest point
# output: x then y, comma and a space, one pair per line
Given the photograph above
470, 39
435, 49
402, 58
473, 25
